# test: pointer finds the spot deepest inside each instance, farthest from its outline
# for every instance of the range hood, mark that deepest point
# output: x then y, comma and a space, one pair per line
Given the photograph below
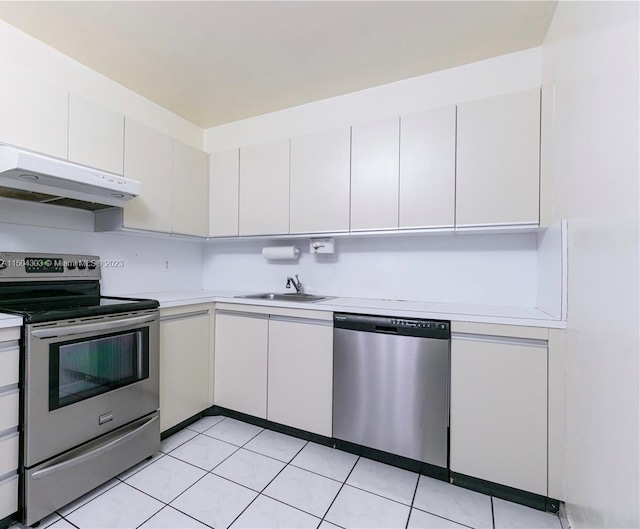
28, 176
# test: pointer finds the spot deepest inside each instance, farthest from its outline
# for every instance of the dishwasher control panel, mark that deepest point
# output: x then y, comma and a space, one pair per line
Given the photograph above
392, 325
423, 324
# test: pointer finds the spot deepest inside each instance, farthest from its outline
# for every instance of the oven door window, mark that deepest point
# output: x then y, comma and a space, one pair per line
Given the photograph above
82, 369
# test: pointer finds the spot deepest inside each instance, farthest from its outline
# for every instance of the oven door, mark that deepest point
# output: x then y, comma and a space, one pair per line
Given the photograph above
85, 379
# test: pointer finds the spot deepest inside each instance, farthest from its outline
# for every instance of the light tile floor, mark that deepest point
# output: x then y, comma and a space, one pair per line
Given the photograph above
220, 472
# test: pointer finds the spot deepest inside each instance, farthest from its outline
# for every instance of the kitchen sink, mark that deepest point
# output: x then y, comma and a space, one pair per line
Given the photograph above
293, 296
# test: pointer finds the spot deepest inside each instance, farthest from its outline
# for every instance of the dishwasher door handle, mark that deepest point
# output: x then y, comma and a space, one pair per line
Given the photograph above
386, 329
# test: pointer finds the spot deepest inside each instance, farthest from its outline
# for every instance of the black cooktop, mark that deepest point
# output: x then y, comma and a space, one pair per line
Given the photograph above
51, 301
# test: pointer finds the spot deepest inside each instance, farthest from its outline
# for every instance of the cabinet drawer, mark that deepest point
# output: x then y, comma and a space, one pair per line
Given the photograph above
8, 496
9, 410
9, 365
9, 453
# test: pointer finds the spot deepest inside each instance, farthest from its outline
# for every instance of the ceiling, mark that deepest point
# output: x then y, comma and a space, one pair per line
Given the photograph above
216, 62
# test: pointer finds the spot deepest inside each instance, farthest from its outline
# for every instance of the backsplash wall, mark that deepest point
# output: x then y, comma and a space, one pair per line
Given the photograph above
143, 257
475, 269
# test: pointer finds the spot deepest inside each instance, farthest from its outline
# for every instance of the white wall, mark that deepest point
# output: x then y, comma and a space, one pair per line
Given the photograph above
143, 256
591, 59
500, 75
476, 269
29, 54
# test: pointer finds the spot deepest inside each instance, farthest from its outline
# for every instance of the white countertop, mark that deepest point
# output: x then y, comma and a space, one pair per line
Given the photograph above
10, 320
529, 317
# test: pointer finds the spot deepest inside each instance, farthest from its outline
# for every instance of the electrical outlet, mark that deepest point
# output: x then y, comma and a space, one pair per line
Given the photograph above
166, 265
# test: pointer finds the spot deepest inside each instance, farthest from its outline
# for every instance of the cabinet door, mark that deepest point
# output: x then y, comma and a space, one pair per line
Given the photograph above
185, 354
428, 169
96, 135
35, 115
264, 189
375, 162
301, 375
320, 181
147, 158
498, 154
241, 363
223, 186
499, 412
190, 205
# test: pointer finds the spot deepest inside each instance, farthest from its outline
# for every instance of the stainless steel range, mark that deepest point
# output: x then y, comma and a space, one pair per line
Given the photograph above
89, 377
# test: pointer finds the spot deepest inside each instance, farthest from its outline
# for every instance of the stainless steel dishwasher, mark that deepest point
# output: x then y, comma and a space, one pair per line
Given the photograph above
391, 385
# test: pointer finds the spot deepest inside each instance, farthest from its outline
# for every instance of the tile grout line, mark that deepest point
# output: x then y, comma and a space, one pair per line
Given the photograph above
340, 490
442, 517
207, 472
413, 499
265, 487
493, 517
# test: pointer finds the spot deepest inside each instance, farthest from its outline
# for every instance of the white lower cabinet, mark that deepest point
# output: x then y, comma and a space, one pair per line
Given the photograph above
241, 362
276, 365
185, 363
8, 496
499, 411
9, 420
300, 381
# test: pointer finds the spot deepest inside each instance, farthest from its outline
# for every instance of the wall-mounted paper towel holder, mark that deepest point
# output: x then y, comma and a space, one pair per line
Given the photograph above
281, 253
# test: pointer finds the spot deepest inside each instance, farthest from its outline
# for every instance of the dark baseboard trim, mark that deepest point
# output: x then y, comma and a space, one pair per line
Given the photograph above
269, 425
6, 522
394, 460
181, 426
536, 501
522, 497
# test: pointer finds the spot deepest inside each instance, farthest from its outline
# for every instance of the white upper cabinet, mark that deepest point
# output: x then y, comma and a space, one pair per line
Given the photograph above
147, 158
320, 181
264, 188
428, 169
34, 114
374, 175
190, 205
224, 167
96, 135
498, 154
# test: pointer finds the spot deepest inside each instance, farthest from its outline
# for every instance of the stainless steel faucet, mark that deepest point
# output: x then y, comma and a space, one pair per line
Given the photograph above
296, 283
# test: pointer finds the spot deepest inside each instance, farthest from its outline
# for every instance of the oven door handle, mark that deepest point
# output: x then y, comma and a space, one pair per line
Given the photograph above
83, 328
98, 450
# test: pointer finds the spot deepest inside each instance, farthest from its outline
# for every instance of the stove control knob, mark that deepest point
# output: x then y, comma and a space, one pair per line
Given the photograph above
3, 264
82, 265
91, 265
71, 265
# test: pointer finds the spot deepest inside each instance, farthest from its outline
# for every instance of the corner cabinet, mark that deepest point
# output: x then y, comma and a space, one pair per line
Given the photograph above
499, 410
320, 182
186, 363
264, 189
148, 159
300, 381
224, 180
175, 186
190, 198
498, 161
